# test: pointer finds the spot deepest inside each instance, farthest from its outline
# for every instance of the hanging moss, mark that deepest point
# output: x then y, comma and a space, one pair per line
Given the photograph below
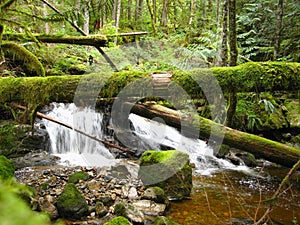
29, 62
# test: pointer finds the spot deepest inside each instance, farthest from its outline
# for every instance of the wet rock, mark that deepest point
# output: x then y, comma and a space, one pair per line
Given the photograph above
135, 215
222, 151
247, 158
71, 203
133, 193
100, 209
169, 170
35, 159
162, 220
46, 205
149, 207
155, 194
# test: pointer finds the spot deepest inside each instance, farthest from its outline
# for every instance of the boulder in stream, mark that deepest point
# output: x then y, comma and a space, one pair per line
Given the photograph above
169, 170
71, 203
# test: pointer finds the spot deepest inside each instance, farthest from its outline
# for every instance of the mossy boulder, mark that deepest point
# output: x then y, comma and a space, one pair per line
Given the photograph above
120, 220
162, 220
7, 168
77, 176
71, 204
169, 170
155, 194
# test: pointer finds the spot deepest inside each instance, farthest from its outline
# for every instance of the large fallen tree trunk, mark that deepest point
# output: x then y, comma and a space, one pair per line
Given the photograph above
261, 147
91, 40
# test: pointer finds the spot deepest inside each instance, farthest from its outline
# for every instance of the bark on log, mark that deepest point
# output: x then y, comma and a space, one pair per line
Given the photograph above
261, 147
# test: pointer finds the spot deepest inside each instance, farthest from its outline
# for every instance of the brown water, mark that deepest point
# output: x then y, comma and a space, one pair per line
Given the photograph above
233, 197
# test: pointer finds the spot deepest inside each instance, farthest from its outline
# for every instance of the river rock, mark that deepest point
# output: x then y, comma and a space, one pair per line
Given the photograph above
162, 220
149, 207
155, 194
100, 209
47, 206
71, 203
169, 170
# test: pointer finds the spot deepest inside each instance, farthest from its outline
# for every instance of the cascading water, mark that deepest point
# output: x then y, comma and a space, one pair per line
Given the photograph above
80, 150
72, 147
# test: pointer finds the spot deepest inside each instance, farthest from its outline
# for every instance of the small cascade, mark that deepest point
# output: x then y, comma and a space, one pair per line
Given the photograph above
157, 135
76, 149
72, 147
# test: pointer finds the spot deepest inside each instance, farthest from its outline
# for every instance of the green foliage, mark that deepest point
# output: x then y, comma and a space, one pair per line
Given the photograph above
15, 211
77, 176
162, 220
7, 168
10, 135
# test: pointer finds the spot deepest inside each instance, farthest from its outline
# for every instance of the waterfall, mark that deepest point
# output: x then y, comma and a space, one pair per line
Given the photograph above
155, 134
74, 148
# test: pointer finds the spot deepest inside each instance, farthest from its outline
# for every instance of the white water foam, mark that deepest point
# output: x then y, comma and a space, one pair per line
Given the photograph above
74, 148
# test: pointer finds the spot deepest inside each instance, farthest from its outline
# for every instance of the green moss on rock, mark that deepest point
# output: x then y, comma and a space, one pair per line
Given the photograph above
7, 168
120, 220
120, 209
32, 66
169, 170
77, 176
71, 203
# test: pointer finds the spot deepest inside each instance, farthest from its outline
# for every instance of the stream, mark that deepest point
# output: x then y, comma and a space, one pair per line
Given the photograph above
223, 193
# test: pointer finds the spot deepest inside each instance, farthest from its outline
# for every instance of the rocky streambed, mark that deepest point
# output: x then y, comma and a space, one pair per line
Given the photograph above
106, 192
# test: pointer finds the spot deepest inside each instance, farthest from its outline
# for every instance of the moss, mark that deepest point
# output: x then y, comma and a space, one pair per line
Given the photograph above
76, 177
120, 209
29, 62
7, 168
118, 221
71, 203
169, 170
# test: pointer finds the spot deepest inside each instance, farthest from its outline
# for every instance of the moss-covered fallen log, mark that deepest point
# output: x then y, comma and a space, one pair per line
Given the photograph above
243, 78
91, 40
28, 61
261, 147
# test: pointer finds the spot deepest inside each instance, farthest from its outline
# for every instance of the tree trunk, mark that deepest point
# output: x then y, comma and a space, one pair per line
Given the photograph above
164, 14
193, 9
262, 148
224, 50
278, 29
129, 10
86, 18
117, 20
45, 14
151, 11
232, 32
231, 108
114, 10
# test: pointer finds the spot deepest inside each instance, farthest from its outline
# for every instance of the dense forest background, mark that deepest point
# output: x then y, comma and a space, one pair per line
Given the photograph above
215, 32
